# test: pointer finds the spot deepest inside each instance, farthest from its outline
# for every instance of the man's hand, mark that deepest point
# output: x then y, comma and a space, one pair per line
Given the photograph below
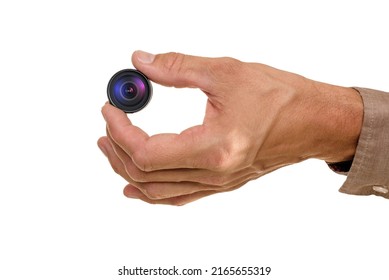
257, 120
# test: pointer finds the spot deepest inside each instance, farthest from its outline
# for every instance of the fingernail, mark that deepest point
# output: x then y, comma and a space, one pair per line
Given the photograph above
145, 57
131, 195
131, 191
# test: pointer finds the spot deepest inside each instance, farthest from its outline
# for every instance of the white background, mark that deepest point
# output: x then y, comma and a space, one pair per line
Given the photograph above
62, 212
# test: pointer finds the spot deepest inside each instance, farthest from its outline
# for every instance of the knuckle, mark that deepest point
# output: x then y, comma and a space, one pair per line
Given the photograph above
136, 174
176, 65
221, 181
228, 157
115, 134
224, 66
220, 159
218, 180
141, 161
152, 191
173, 62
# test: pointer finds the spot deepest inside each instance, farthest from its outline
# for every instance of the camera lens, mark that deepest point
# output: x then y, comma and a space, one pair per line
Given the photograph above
129, 90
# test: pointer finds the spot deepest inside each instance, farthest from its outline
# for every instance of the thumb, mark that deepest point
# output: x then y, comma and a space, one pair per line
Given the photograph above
174, 69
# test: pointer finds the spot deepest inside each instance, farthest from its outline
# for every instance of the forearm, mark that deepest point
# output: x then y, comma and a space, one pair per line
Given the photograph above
316, 120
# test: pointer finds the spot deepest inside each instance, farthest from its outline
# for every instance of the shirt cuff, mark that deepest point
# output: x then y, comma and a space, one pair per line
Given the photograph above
368, 172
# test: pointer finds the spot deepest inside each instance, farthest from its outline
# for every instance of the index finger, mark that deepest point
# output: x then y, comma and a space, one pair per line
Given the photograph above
189, 149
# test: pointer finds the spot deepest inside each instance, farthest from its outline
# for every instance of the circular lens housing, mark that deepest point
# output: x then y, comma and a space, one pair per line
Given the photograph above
129, 90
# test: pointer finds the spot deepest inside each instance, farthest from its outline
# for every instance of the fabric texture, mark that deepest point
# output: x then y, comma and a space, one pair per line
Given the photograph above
368, 172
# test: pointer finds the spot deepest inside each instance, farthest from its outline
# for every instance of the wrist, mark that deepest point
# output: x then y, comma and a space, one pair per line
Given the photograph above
339, 121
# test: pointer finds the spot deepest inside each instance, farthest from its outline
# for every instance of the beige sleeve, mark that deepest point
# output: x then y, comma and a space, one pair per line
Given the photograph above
369, 171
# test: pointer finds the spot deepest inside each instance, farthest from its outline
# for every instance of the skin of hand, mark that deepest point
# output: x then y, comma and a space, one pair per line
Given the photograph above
257, 120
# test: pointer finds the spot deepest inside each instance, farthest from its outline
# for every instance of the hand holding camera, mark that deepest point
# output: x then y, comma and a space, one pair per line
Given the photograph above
257, 120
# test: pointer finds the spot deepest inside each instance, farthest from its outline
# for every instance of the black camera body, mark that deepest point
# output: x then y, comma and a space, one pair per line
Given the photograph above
129, 90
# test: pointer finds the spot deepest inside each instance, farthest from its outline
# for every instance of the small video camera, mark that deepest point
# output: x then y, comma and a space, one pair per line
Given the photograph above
129, 90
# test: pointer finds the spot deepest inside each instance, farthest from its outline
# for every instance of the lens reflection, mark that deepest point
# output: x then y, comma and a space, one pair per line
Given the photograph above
129, 90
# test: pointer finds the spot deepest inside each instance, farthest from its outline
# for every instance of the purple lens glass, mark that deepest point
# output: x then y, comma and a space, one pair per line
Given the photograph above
129, 90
